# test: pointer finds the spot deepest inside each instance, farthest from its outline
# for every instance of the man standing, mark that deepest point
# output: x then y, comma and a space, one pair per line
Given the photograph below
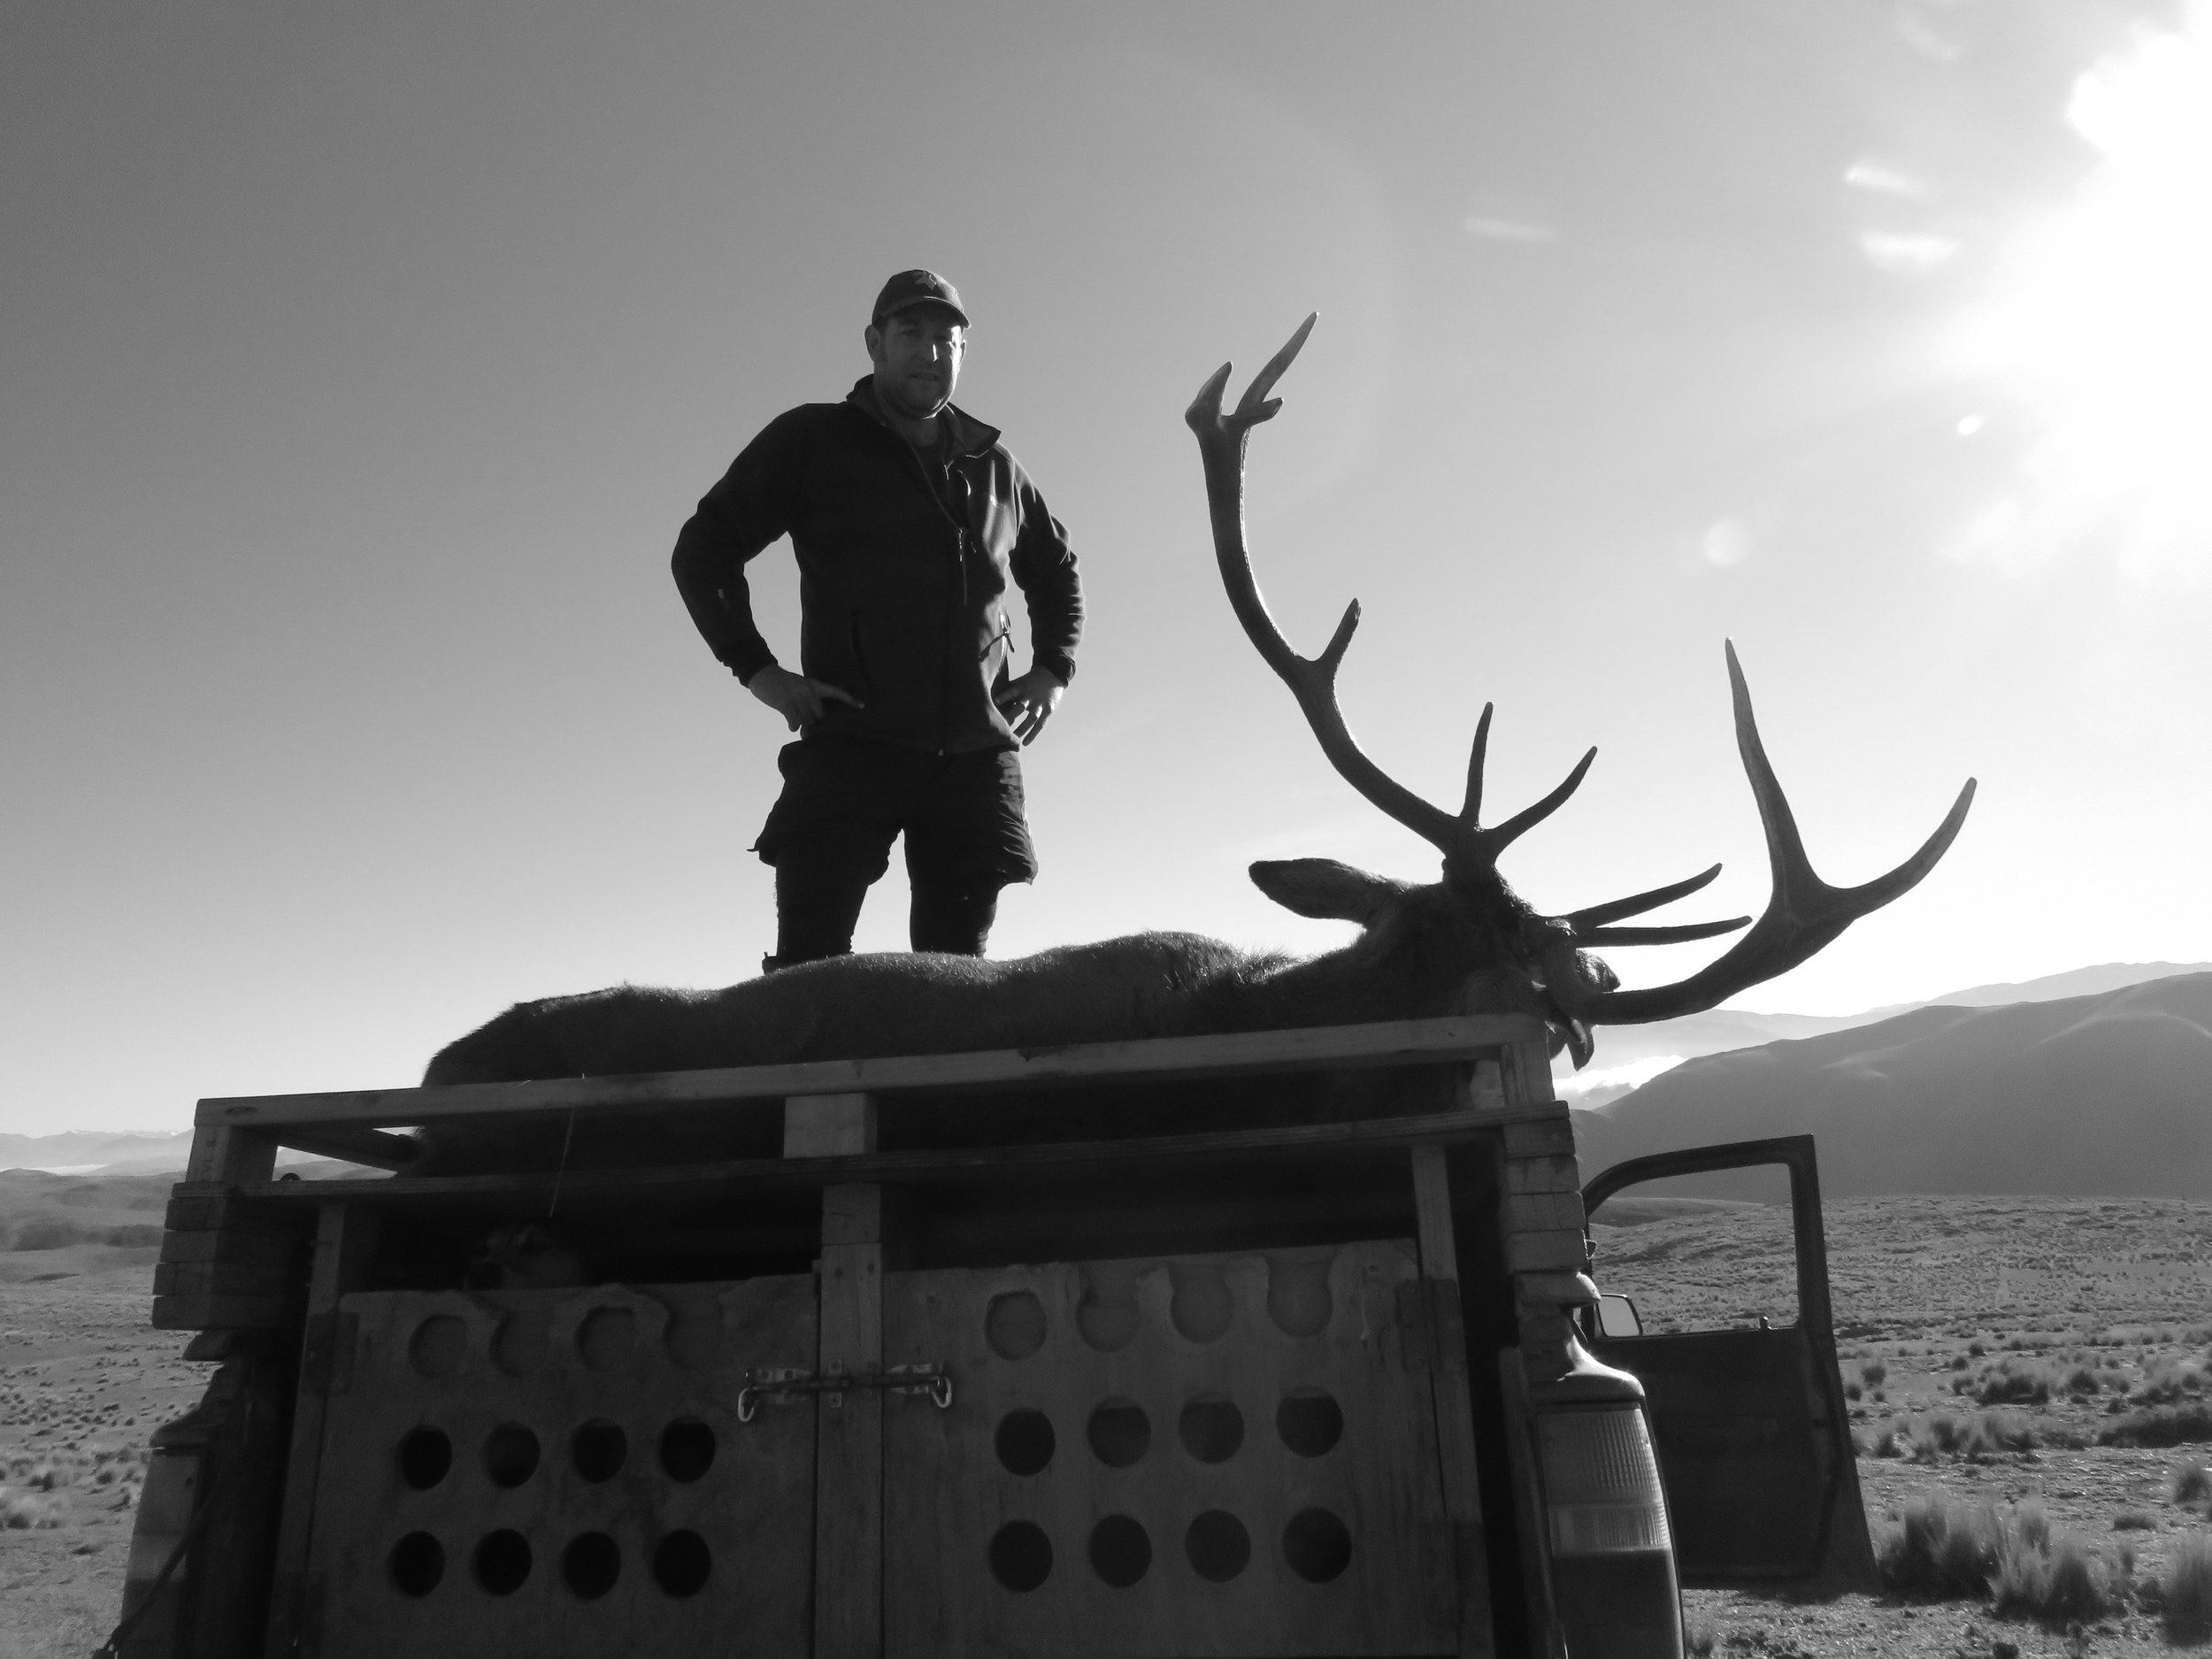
908, 518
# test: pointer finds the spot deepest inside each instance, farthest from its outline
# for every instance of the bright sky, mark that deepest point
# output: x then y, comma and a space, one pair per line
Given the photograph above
360, 364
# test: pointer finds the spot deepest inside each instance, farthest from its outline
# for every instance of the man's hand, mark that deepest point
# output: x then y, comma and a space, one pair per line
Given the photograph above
1028, 702
801, 701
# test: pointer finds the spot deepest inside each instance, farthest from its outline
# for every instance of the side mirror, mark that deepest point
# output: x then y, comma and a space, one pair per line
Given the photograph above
1617, 1317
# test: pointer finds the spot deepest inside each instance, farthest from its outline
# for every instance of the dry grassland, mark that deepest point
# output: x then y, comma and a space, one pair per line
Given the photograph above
2018, 1357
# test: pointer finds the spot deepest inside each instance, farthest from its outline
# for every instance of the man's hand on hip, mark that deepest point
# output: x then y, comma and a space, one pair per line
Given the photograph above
1028, 702
801, 701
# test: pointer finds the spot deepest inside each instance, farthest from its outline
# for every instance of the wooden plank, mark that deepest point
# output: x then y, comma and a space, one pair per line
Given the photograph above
1544, 1131
1542, 1212
230, 1154
848, 1490
378, 1148
345, 1240
1527, 1070
223, 1313
1438, 1243
935, 1165
222, 1278
1561, 1252
828, 1125
1161, 1059
216, 1207
1542, 1175
258, 1249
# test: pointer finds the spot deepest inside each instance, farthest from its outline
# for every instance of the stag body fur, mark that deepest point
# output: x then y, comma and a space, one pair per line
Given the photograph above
1423, 951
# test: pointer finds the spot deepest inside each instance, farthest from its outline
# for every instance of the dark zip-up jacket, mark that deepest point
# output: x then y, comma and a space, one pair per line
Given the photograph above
901, 586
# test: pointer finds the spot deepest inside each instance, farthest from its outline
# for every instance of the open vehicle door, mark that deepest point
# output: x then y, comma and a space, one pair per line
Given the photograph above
1744, 1394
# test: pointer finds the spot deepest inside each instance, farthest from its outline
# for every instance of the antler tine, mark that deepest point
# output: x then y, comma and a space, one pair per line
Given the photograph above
1636, 904
1804, 915
1221, 443
1506, 833
1672, 933
1471, 812
1255, 406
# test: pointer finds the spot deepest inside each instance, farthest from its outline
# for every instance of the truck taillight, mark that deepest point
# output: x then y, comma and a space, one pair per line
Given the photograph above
1601, 1482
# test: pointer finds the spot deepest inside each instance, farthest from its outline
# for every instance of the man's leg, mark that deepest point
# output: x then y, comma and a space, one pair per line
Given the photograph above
954, 916
968, 837
829, 837
820, 884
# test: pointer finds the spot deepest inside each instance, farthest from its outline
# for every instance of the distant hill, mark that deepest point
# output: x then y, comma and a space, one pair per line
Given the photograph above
2109, 1093
1627, 1053
81, 1151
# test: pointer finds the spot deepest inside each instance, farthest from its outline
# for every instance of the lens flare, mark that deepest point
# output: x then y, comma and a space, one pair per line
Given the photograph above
2102, 317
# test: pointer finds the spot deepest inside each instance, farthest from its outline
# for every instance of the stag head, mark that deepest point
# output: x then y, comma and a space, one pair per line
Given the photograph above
1579, 990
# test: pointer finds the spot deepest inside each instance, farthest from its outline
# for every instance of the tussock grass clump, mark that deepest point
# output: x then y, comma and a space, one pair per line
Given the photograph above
2030, 1570
2167, 1382
2028, 1382
2193, 1484
2134, 1521
1874, 1373
1700, 1635
2185, 1425
1882, 1442
24, 1512
2185, 1590
1941, 1549
1982, 1433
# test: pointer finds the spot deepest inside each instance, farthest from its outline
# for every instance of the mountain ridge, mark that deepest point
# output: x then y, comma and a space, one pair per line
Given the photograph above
2108, 1093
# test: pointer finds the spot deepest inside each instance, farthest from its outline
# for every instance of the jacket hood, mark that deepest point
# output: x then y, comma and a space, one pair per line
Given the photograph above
969, 435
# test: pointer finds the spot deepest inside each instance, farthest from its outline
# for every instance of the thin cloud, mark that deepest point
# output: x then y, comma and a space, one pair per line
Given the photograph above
1635, 1074
1925, 38
1903, 254
1508, 229
1878, 179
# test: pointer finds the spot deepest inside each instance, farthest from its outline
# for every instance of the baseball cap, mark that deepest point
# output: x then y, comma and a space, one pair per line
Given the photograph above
918, 287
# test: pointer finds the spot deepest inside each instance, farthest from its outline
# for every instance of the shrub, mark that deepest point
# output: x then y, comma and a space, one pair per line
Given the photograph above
2056, 1582
1984, 1433
1700, 1635
2134, 1521
1874, 1373
2083, 1380
1940, 1548
1851, 1391
2185, 1590
43, 1233
2160, 1425
2193, 1484
2167, 1382
2014, 1382
20, 1512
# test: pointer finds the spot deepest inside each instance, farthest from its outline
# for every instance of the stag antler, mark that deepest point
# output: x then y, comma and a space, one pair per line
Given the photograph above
1804, 915
1312, 680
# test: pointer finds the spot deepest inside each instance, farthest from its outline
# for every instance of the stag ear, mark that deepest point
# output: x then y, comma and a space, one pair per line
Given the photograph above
1324, 889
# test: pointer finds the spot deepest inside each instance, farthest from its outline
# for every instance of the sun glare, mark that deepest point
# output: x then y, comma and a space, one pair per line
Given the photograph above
2103, 317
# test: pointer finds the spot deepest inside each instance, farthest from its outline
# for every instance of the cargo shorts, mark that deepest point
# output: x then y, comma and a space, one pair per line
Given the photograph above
847, 799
